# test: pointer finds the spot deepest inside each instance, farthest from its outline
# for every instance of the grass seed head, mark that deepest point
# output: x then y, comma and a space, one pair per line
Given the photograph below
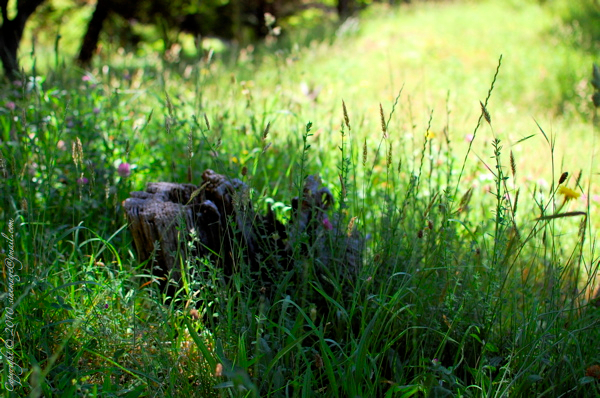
464, 202
485, 113
563, 177
383, 124
77, 152
516, 201
266, 132
346, 118
513, 165
351, 226
207, 122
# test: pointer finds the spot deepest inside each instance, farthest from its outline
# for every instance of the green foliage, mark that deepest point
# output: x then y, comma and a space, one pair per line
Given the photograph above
583, 17
474, 281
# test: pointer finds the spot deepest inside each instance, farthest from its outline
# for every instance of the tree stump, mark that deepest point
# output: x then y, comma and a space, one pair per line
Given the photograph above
230, 232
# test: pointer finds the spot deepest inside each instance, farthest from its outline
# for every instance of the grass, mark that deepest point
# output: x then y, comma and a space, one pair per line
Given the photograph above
477, 272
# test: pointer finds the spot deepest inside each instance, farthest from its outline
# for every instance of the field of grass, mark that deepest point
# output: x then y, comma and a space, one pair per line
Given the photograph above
458, 121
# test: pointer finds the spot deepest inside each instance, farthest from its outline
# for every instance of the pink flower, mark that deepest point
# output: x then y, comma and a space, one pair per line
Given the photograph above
96, 110
124, 170
469, 137
327, 224
11, 106
86, 78
82, 181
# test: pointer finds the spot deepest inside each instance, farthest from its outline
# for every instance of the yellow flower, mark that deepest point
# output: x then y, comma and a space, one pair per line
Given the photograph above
568, 193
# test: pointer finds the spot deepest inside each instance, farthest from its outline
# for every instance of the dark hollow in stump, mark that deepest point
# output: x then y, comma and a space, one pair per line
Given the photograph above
229, 230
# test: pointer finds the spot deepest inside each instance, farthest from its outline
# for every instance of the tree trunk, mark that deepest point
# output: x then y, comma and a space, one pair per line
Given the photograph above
11, 33
92, 35
345, 8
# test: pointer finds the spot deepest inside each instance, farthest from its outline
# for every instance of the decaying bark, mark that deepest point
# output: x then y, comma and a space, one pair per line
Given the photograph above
230, 232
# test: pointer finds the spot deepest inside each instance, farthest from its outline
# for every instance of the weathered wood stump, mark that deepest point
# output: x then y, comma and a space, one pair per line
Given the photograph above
230, 232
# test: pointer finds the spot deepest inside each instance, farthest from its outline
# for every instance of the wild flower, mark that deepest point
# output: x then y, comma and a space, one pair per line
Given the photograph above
86, 78
124, 170
593, 371
469, 137
327, 224
568, 193
11, 106
269, 19
82, 181
96, 110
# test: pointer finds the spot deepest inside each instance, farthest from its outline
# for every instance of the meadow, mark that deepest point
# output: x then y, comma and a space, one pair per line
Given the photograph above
458, 140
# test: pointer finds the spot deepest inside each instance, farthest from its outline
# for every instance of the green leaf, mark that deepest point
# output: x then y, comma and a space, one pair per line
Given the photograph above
476, 337
586, 380
490, 347
212, 362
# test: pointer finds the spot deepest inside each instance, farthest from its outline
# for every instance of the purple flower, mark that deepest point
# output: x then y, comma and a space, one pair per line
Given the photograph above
105, 306
82, 181
96, 110
124, 170
327, 224
11, 106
